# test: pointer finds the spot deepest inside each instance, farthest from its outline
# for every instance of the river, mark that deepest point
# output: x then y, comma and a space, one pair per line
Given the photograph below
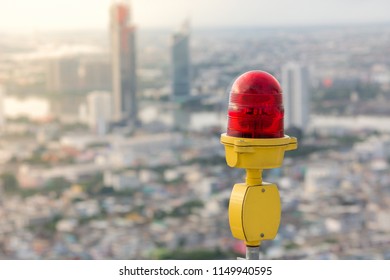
67, 108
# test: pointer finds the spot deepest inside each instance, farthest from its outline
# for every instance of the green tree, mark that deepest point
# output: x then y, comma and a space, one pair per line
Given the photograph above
10, 183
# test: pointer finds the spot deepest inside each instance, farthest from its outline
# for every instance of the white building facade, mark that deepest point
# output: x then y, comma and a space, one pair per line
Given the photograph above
295, 85
99, 105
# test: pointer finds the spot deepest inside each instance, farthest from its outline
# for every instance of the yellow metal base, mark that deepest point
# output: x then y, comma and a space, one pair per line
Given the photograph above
256, 153
254, 212
254, 208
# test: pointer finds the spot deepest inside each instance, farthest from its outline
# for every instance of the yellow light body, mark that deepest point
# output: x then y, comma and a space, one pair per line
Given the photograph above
254, 207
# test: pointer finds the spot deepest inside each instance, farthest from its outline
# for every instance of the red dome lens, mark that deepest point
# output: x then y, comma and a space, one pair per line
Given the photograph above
256, 107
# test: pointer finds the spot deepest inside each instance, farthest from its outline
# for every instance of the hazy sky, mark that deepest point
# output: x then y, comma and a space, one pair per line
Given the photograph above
32, 15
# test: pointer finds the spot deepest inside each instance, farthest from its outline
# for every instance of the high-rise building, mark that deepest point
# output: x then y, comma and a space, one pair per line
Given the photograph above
63, 74
76, 73
295, 84
123, 60
95, 73
181, 64
99, 104
181, 77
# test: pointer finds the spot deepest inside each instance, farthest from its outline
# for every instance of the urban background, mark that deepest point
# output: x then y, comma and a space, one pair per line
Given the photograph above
109, 139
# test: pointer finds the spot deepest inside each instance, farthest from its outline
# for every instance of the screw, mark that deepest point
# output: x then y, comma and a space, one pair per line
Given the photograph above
262, 235
262, 190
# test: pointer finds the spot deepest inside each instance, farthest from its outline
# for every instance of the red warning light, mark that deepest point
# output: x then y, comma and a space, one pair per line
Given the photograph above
256, 107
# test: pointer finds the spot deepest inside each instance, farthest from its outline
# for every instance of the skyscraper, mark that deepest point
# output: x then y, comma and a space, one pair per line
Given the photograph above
62, 74
295, 83
181, 65
95, 73
123, 60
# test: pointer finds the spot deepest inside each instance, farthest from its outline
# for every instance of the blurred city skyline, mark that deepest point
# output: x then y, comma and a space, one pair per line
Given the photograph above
45, 15
153, 183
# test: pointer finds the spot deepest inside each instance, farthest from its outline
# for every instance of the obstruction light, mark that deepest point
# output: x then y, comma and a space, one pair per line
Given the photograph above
255, 141
255, 107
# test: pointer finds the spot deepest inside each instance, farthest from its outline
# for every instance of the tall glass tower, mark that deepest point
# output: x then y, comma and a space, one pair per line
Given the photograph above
181, 64
123, 60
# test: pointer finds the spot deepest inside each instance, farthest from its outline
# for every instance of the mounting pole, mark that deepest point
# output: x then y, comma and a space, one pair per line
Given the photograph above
252, 253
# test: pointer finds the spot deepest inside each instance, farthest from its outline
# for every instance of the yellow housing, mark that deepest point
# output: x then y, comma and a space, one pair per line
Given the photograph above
261, 154
254, 207
254, 213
